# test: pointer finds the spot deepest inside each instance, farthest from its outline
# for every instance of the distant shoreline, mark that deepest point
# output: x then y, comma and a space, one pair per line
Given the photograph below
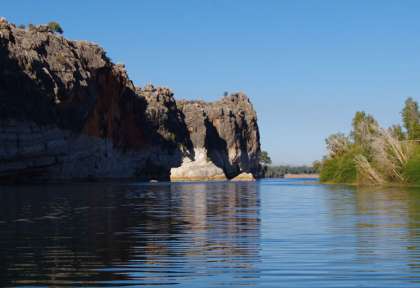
301, 175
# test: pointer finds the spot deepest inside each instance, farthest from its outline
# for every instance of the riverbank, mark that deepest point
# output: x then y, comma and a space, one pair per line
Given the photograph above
371, 155
301, 176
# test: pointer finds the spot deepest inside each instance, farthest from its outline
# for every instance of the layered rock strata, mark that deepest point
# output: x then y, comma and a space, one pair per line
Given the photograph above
67, 112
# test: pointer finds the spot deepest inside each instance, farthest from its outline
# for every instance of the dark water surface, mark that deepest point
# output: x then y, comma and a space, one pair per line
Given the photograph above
279, 233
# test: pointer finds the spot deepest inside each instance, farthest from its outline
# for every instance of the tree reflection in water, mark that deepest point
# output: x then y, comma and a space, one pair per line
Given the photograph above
382, 224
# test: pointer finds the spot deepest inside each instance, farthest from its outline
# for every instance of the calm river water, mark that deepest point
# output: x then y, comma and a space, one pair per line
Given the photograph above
270, 233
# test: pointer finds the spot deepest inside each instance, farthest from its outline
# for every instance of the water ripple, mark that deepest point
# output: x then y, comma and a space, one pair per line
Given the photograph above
275, 233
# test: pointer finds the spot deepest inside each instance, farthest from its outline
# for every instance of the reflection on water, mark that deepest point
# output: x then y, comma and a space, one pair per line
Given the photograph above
127, 234
384, 229
276, 233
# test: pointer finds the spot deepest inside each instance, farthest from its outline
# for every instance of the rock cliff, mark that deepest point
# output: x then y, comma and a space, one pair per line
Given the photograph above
224, 135
67, 112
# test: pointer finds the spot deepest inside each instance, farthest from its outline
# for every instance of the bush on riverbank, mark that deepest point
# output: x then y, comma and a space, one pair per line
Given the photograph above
412, 168
374, 155
340, 169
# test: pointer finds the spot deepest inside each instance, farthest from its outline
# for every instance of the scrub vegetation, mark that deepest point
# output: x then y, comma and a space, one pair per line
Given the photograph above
282, 170
372, 155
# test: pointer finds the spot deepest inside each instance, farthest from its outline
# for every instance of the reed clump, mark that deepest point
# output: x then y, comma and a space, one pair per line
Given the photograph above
372, 155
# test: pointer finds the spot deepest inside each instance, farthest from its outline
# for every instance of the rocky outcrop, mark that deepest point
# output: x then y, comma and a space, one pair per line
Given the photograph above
197, 167
224, 135
244, 177
67, 112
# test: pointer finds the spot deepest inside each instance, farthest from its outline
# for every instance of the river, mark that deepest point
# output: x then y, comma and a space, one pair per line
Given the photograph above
268, 233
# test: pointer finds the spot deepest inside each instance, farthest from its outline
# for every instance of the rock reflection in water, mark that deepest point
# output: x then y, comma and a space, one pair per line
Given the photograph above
127, 234
271, 233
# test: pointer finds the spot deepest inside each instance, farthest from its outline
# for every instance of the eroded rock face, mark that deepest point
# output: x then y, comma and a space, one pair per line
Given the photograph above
66, 112
227, 131
197, 168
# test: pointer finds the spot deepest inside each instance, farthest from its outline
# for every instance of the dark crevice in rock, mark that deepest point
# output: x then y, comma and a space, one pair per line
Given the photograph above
217, 150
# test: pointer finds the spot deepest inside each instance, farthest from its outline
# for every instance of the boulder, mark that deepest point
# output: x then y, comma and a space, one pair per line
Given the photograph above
244, 177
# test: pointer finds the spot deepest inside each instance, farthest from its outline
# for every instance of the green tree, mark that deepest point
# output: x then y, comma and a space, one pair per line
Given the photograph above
364, 127
55, 26
264, 158
316, 166
411, 119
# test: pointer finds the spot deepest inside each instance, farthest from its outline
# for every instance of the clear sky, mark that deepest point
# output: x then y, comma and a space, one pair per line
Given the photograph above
306, 65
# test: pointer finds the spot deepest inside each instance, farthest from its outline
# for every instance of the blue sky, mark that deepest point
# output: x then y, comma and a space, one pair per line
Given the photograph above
306, 65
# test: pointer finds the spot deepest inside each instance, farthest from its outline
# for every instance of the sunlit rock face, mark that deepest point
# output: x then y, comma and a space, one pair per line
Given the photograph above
226, 131
197, 168
244, 177
67, 111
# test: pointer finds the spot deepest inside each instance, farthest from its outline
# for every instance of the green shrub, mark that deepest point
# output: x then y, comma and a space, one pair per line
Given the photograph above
340, 169
411, 170
55, 26
347, 172
372, 155
328, 170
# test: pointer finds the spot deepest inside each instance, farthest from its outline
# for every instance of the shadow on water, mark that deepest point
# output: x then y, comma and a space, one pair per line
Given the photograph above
127, 234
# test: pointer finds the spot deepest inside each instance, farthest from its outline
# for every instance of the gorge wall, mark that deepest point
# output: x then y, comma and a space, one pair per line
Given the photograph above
67, 112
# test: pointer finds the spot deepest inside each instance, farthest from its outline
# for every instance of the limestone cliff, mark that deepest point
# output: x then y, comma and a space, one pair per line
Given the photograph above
68, 112
225, 138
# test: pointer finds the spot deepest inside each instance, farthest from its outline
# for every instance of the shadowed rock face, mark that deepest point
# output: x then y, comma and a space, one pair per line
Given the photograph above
66, 112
